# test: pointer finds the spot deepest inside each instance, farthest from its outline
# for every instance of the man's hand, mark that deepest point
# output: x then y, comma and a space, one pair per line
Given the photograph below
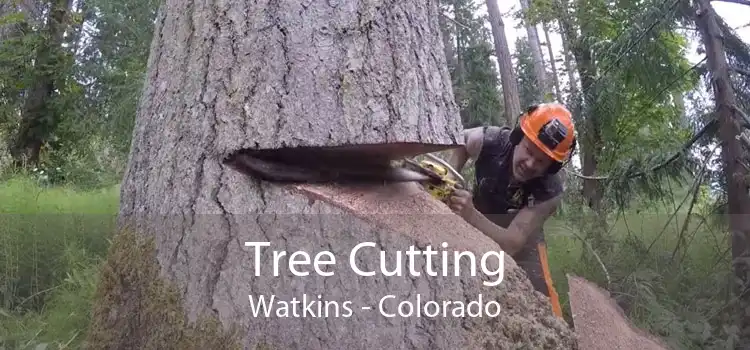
461, 202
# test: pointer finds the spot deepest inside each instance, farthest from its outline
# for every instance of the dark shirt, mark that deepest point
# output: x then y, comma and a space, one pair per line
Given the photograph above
494, 195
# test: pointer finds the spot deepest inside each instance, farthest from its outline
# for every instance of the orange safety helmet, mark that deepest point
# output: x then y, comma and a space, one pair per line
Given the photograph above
550, 127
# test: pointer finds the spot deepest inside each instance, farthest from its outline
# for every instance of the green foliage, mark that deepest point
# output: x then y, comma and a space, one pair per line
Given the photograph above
475, 79
52, 240
482, 105
117, 62
668, 271
528, 88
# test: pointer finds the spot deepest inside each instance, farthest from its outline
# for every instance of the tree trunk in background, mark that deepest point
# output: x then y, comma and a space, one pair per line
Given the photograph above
679, 102
553, 64
738, 200
536, 54
361, 73
459, 72
448, 49
37, 118
569, 68
508, 79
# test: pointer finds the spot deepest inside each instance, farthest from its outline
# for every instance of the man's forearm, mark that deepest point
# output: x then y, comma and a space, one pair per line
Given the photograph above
511, 242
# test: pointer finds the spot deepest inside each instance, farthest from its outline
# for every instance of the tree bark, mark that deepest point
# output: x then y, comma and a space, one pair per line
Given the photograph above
536, 54
511, 98
448, 45
553, 64
590, 135
38, 117
738, 200
233, 75
569, 67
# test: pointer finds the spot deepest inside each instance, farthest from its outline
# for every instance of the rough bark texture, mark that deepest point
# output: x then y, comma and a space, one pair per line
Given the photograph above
738, 200
511, 97
226, 76
290, 73
601, 324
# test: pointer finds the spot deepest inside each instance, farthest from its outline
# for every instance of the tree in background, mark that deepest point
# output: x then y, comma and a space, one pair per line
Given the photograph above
469, 53
529, 89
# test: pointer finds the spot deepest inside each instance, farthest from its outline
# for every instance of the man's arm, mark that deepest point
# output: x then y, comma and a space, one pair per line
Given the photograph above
473, 139
527, 221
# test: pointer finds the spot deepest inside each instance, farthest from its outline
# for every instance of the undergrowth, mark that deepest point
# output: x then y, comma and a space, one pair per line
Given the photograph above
54, 240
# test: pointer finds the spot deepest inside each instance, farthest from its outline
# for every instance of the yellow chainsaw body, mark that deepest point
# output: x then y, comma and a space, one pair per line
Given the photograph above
442, 189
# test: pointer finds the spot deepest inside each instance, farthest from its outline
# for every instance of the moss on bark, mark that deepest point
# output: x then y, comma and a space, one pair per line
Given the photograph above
135, 307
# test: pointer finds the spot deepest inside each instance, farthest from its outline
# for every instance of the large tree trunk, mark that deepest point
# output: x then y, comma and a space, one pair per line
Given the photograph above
738, 201
511, 98
296, 74
540, 72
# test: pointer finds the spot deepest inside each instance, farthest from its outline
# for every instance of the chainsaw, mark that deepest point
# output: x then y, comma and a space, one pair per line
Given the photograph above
332, 165
443, 178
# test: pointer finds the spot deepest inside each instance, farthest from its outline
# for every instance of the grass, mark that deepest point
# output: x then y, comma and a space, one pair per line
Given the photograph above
52, 241
677, 294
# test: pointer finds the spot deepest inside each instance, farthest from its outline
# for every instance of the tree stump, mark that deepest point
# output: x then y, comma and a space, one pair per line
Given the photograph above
226, 76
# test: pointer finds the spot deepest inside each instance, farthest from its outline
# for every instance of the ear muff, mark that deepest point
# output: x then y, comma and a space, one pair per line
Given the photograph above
556, 166
516, 135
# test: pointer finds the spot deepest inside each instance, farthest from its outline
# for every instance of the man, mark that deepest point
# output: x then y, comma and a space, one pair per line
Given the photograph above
513, 165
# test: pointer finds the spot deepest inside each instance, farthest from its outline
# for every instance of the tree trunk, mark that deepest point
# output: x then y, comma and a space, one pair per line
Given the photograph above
553, 64
447, 42
679, 103
569, 68
732, 154
38, 116
295, 74
540, 71
508, 79
589, 136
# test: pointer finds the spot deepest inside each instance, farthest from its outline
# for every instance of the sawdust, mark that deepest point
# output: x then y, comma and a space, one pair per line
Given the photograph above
527, 320
601, 324
403, 207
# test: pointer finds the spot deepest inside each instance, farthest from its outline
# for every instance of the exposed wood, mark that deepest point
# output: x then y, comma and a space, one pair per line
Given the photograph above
601, 324
228, 76
738, 200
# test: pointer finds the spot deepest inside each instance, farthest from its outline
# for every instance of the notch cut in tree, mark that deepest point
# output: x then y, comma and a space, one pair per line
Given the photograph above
228, 77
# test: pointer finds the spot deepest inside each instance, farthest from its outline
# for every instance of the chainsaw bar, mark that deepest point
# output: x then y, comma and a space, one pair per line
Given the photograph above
326, 170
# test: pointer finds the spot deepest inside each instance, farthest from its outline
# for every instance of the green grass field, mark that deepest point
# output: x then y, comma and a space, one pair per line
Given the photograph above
51, 240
